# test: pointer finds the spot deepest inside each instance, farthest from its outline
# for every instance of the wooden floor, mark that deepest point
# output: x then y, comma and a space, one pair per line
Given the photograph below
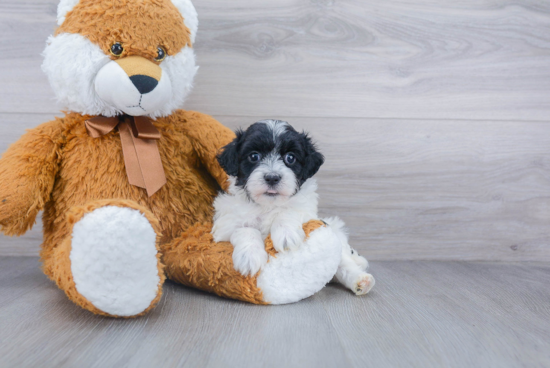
420, 314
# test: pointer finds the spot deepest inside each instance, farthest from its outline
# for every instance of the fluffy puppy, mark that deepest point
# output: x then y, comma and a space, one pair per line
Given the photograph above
272, 191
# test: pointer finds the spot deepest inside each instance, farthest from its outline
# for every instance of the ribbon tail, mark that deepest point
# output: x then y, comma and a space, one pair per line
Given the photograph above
150, 163
131, 160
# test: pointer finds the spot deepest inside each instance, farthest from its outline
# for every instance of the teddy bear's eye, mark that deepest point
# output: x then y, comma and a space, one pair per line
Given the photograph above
161, 54
117, 49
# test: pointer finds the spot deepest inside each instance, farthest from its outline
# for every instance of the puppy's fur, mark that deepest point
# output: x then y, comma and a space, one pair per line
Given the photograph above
272, 191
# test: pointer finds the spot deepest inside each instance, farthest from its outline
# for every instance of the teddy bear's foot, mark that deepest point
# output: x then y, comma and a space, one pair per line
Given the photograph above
196, 260
114, 260
113, 266
292, 276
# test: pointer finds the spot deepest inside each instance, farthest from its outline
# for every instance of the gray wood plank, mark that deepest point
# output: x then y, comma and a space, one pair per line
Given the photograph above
420, 314
410, 189
188, 329
447, 314
349, 58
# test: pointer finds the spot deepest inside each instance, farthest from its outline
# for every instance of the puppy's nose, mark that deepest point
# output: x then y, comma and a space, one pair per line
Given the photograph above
272, 179
144, 83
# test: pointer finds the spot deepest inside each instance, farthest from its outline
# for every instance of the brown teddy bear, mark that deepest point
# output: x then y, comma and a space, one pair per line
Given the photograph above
126, 180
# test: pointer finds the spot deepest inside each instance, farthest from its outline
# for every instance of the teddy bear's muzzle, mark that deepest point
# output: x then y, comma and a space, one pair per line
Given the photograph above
133, 85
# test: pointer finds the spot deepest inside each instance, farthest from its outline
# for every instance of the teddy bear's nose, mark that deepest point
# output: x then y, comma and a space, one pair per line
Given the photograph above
144, 83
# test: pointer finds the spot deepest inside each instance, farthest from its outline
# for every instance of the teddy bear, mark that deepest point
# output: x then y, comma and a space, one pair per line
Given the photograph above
126, 178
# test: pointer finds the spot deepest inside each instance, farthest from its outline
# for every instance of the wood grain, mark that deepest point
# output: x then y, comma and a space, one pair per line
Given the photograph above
425, 185
409, 189
412, 189
333, 58
420, 314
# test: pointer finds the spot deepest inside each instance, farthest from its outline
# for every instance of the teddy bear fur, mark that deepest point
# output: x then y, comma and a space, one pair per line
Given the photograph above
58, 168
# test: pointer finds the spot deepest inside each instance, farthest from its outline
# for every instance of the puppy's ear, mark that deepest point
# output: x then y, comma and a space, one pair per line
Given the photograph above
229, 157
313, 160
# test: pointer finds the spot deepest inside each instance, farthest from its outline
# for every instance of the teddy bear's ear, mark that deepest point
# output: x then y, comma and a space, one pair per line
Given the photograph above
63, 8
189, 14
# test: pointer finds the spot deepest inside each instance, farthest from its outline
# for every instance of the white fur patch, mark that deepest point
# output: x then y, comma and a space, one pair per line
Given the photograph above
113, 260
63, 8
189, 14
181, 70
278, 127
233, 210
71, 63
249, 253
293, 276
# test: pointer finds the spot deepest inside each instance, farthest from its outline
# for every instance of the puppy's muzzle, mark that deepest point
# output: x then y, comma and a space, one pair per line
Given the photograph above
144, 74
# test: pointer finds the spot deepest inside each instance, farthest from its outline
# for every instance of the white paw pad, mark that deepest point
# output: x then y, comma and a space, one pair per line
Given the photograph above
364, 284
114, 260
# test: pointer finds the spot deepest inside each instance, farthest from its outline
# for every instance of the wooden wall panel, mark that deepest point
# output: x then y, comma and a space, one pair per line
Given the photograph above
433, 115
412, 189
348, 58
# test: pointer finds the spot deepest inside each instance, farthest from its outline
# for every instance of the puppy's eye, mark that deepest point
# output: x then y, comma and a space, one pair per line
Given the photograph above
161, 54
254, 157
290, 159
117, 49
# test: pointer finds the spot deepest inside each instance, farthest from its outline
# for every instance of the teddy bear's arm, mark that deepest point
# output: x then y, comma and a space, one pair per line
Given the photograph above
208, 136
27, 174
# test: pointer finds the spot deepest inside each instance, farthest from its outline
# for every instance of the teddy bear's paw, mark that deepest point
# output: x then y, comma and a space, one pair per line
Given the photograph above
114, 260
292, 276
364, 284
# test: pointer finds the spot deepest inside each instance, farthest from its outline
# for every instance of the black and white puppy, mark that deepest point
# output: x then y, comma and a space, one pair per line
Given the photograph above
272, 191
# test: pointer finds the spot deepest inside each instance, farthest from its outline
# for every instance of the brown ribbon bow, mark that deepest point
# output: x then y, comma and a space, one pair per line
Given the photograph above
138, 137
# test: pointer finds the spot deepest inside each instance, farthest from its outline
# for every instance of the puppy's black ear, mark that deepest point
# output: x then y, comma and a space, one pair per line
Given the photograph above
313, 160
229, 157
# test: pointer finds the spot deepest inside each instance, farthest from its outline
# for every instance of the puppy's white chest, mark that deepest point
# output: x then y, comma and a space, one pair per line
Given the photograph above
265, 221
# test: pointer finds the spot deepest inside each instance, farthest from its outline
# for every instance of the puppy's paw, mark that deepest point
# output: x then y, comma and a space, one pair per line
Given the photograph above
249, 258
287, 238
364, 284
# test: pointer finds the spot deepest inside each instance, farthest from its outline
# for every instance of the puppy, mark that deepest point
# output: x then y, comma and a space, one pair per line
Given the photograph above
271, 191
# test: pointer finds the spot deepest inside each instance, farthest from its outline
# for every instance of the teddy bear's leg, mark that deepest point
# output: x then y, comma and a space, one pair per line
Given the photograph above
194, 259
109, 263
